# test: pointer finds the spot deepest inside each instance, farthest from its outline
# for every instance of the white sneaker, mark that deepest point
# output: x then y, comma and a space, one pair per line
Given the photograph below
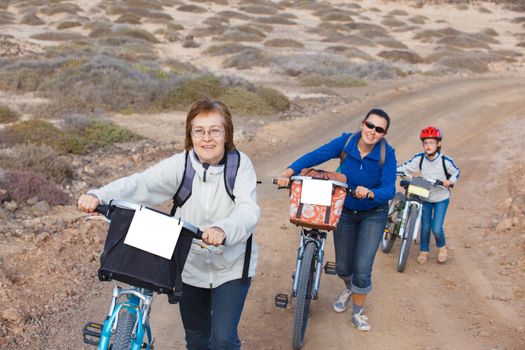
359, 321
343, 300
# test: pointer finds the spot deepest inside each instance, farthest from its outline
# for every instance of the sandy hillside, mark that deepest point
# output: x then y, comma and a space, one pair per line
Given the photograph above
459, 65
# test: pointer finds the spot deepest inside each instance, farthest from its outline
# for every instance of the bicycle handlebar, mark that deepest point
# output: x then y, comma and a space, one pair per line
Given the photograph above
436, 182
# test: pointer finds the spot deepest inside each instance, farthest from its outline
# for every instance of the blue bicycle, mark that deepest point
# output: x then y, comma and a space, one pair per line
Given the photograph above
128, 321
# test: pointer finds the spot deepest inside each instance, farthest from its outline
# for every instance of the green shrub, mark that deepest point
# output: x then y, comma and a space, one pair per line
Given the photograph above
103, 133
274, 98
23, 185
32, 20
192, 8
61, 8
7, 115
283, 43
38, 159
57, 36
242, 101
129, 18
68, 24
40, 132
225, 49
192, 89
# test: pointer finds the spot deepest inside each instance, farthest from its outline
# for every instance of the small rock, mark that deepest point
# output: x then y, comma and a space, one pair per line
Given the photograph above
41, 206
504, 225
3, 215
43, 237
4, 196
11, 206
32, 201
13, 316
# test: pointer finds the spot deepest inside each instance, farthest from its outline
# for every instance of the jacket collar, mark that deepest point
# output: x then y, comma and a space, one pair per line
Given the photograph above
199, 168
354, 151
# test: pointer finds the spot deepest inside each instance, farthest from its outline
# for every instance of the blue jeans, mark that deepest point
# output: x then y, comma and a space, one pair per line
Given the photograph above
211, 316
432, 218
356, 241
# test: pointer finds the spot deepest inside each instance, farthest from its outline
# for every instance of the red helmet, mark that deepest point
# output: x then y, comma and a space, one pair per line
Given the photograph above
430, 132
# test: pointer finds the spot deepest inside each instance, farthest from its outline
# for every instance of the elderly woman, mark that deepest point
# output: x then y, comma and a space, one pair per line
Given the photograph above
216, 276
369, 165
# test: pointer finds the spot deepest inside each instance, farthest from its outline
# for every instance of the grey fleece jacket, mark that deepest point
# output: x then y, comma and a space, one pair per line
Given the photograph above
209, 205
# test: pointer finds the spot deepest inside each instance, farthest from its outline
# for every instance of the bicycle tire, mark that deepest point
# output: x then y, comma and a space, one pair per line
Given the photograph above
303, 296
407, 241
391, 232
125, 324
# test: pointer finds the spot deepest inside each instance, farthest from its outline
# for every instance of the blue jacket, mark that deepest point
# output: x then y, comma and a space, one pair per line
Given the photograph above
365, 172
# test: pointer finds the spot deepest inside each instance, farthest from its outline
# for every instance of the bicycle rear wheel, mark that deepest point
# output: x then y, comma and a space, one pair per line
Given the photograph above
395, 210
125, 324
304, 291
408, 239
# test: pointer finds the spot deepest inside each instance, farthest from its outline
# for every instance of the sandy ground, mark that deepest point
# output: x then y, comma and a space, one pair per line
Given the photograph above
475, 301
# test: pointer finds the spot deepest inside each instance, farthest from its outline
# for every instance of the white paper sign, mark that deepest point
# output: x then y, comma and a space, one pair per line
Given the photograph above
317, 192
153, 232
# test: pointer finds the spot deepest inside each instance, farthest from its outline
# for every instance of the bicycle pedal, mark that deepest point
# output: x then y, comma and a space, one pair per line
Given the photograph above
329, 268
281, 300
91, 333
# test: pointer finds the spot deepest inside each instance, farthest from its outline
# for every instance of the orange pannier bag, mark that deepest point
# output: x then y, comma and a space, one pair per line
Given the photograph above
322, 217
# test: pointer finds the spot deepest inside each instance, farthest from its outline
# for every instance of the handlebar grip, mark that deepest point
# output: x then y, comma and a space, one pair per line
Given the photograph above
274, 181
102, 209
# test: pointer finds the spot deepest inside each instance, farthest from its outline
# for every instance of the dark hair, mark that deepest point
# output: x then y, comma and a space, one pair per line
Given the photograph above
205, 106
380, 113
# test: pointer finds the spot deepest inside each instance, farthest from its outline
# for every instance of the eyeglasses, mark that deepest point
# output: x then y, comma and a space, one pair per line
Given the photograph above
200, 132
372, 126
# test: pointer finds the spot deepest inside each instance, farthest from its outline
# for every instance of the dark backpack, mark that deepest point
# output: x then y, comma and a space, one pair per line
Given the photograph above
447, 174
382, 151
231, 166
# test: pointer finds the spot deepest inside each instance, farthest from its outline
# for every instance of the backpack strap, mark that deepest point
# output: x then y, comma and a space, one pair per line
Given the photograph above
447, 174
344, 154
421, 161
231, 166
184, 190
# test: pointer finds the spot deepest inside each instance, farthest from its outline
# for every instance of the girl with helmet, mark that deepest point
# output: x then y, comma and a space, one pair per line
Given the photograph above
433, 165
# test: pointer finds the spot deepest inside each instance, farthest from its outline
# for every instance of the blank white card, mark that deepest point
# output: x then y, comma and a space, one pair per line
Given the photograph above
153, 232
318, 192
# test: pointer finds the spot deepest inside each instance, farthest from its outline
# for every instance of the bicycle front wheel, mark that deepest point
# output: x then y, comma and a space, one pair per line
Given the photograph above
125, 324
395, 210
304, 291
408, 239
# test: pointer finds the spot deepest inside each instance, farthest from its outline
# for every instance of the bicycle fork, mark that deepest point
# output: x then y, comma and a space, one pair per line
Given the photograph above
406, 210
320, 243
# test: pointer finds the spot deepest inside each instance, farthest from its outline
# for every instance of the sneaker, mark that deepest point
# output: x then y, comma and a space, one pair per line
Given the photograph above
442, 255
422, 258
343, 300
359, 321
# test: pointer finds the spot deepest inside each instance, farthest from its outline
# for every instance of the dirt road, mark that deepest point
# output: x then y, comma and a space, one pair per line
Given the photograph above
426, 307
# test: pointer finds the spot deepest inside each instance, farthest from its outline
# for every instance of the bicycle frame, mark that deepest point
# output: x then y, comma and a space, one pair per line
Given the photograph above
319, 239
139, 302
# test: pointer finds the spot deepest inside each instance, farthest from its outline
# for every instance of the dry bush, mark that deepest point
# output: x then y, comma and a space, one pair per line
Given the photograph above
192, 9
247, 59
209, 30
518, 20
391, 43
353, 5
283, 43
218, 2
418, 19
174, 26
126, 31
180, 68
490, 32
354, 40
482, 9
234, 14
57, 36
392, 22
287, 15
68, 24
217, 20
40, 132
259, 9
342, 81
350, 52
144, 4
6, 18
463, 41
461, 61
129, 18
243, 33
169, 35
401, 55
7, 115
521, 44
24, 185
67, 8
32, 20
275, 20
336, 16
226, 49
38, 159
189, 43
398, 13
462, 7
361, 26
430, 35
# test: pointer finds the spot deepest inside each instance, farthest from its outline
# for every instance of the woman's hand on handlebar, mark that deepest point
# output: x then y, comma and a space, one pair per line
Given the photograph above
213, 236
284, 178
87, 203
361, 192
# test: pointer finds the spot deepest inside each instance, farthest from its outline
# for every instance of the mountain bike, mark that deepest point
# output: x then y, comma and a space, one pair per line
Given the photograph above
127, 322
404, 216
307, 274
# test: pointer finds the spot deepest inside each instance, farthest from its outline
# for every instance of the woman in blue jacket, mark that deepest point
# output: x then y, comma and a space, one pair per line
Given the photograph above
369, 165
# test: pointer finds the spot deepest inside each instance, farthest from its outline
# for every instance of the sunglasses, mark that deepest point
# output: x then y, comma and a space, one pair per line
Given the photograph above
371, 126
